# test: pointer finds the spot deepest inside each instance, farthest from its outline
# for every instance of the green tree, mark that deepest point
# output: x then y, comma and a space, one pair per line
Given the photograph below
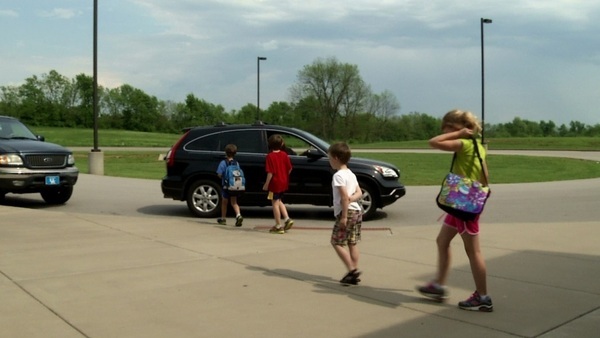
380, 108
247, 114
517, 128
563, 130
132, 109
197, 112
80, 109
337, 90
576, 128
33, 102
548, 128
281, 113
307, 117
10, 101
57, 91
593, 130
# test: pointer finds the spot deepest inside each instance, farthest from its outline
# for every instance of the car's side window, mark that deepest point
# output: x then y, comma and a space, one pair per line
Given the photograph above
245, 140
4, 131
293, 144
19, 130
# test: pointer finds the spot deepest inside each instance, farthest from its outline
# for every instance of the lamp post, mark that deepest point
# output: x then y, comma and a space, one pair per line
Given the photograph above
483, 21
95, 157
258, 59
95, 65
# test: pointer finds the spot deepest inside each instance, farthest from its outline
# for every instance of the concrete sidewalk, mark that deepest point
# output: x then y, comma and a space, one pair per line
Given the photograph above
80, 275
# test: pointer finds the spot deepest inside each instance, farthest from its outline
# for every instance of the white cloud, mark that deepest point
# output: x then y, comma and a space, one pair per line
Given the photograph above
8, 13
426, 53
59, 13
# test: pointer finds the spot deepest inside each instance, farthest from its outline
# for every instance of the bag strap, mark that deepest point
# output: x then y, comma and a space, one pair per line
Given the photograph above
483, 166
452, 164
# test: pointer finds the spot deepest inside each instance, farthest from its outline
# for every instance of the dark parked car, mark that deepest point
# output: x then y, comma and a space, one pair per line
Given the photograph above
28, 164
192, 164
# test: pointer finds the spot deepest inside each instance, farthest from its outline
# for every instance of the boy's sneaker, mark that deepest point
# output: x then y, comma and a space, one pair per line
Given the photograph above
476, 303
277, 230
221, 221
238, 220
288, 224
351, 278
433, 291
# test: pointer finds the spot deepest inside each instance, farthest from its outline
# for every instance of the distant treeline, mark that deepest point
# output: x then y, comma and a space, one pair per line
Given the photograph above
54, 100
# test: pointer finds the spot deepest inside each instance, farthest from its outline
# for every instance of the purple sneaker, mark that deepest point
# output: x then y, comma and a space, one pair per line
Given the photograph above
476, 303
433, 291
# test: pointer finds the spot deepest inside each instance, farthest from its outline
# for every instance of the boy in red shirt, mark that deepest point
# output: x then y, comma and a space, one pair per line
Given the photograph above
278, 167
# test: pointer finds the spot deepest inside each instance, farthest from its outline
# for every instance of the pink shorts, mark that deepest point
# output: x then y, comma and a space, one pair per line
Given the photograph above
470, 227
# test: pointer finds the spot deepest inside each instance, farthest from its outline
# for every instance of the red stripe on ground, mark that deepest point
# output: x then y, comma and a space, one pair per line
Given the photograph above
262, 227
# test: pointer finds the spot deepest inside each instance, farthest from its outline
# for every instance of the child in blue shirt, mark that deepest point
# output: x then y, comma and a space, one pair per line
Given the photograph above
230, 151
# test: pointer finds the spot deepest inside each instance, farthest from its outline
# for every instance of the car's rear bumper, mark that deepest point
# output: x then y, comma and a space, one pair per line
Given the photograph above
172, 188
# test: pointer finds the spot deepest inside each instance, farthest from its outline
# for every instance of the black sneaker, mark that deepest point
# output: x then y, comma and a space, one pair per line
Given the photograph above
288, 224
238, 220
351, 278
476, 303
222, 221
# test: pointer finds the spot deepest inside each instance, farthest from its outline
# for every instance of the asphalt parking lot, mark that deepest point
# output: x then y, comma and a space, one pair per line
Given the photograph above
147, 269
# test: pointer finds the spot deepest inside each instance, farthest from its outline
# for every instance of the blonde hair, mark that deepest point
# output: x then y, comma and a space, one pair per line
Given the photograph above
461, 119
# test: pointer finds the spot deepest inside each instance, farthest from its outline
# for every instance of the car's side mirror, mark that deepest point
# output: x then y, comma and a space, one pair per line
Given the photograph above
314, 154
40, 138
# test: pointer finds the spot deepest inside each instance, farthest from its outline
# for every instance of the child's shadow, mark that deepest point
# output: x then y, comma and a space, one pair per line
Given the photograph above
391, 298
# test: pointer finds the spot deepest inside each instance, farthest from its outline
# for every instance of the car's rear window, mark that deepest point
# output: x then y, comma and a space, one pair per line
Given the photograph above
246, 141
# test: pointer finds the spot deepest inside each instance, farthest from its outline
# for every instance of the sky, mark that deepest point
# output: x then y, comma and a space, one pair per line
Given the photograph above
541, 57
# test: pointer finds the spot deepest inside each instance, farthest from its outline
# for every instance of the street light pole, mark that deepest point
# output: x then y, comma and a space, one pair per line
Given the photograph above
95, 65
483, 21
95, 157
258, 59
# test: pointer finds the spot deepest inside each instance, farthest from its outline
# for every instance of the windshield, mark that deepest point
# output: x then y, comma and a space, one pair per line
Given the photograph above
13, 129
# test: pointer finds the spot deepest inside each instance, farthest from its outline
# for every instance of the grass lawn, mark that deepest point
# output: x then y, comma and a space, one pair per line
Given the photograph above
416, 169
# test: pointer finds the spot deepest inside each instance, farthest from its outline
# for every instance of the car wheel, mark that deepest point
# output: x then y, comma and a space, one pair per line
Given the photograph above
204, 198
367, 201
57, 196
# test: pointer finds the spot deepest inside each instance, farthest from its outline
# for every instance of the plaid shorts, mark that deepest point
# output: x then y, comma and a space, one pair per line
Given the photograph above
351, 233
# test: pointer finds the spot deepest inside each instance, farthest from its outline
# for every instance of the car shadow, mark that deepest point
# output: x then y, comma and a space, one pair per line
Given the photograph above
298, 212
11, 200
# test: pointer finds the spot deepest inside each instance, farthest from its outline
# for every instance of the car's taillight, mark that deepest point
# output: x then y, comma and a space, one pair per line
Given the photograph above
171, 153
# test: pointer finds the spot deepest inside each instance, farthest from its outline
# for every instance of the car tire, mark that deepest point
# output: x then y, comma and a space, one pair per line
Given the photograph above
57, 196
367, 201
204, 198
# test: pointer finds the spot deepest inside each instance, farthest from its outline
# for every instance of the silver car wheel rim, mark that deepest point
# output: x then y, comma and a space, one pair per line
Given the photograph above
366, 201
206, 198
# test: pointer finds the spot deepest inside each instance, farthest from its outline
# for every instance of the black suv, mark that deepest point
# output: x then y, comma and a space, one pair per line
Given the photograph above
30, 165
192, 164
